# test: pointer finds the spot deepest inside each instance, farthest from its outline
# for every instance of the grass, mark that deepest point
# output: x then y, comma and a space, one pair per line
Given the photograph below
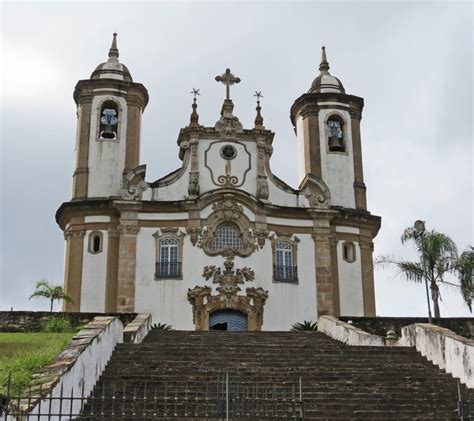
23, 354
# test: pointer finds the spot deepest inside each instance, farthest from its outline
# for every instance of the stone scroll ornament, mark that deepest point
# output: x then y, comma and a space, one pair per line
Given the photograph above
229, 281
133, 183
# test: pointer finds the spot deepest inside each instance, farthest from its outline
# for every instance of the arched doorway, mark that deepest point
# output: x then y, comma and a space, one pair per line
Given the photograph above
231, 320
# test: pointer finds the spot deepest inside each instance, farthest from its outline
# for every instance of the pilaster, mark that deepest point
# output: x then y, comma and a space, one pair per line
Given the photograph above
74, 237
367, 267
81, 173
127, 252
359, 185
323, 261
111, 282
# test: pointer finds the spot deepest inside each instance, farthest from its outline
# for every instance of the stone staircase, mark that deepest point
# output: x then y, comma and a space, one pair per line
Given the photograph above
177, 372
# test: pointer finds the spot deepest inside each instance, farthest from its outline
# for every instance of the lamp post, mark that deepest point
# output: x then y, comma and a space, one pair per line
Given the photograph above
420, 232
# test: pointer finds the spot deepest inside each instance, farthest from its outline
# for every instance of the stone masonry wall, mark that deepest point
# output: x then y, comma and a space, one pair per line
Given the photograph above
463, 326
33, 321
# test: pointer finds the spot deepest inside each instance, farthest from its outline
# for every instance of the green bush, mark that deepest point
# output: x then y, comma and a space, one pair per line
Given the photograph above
305, 326
57, 324
162, 326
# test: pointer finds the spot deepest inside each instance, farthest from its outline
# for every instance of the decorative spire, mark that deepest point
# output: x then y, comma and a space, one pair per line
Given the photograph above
258, 118
194, 120
114, 52
324, 66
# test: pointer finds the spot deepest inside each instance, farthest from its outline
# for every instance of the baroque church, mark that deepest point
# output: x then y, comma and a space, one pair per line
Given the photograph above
220, 243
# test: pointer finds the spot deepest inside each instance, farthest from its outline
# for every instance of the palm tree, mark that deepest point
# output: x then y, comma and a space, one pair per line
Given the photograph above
440, 256
50, 291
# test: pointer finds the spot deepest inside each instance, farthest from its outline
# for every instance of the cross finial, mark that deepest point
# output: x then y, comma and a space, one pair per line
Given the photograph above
195, 92
324, 66
228, 79
258, 118
113, 52
259, 95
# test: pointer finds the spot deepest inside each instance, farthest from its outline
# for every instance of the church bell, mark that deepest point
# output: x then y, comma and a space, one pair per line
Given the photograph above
336, 144
108, 133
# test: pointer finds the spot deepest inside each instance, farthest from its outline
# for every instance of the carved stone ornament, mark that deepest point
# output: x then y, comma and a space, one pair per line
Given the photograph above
204, 302
228, 125
262, 187
228, 211
133, 183
316, 191
193, 186
261, 236
194, 234
72, 234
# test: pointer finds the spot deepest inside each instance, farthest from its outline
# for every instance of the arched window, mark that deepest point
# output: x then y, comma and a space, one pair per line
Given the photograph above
169, 265
285, 269
108, 120
226, 235
95, 242
335, 134
348, 252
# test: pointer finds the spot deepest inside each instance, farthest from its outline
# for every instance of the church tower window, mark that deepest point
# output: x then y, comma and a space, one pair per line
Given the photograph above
95, 242
348, 252
169, 265
226, 236
335, 134
108, 120
284, 269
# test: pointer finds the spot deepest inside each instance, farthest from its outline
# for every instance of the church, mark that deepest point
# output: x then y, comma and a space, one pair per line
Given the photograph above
221, 242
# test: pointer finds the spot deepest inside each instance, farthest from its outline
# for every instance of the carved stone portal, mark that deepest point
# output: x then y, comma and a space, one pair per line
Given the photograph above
204, 303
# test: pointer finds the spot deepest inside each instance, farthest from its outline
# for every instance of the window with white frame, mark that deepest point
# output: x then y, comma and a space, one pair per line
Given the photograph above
169, 265
348, 252
226, 235
284, 268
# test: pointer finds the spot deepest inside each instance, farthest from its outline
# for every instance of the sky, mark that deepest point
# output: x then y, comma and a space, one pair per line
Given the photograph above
410, 61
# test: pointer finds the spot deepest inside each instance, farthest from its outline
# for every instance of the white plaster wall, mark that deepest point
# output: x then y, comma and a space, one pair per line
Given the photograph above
98, 218
348, 230
94, 272
290, 222
84, 373
280, 197
300, 148
239, 165
167, 299
338, 168
163, 216
350, 283
106, 157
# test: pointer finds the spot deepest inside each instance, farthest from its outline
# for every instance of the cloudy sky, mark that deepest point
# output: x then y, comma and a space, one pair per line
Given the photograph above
412, 62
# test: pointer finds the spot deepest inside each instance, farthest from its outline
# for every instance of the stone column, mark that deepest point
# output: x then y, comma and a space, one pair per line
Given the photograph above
73, 268
368, 289
312, 142
127, 252
323, 261
335, 275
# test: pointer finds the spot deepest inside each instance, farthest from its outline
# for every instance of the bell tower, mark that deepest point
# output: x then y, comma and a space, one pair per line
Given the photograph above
109, 110
327, 125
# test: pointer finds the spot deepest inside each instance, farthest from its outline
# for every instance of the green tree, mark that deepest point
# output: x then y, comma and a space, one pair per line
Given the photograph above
440, 256
52, 292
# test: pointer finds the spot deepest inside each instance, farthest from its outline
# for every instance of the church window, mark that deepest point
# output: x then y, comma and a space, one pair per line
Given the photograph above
228, 152
108, 120
348, 252
335, 134
169, 265
95, 242
284, 269
226, 236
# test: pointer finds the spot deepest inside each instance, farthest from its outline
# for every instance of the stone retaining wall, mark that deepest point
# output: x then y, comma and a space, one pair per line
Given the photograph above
33, 321
463, 326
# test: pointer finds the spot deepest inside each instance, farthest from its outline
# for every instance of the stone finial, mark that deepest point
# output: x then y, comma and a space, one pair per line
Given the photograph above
324, 65
258, 118
194, 119
228, 79
114, 52
391, 338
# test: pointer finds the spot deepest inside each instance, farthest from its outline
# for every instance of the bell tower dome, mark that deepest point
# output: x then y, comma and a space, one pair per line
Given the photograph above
109, 109
327, 125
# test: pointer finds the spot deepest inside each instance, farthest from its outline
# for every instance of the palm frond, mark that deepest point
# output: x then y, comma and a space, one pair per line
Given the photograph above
412, 271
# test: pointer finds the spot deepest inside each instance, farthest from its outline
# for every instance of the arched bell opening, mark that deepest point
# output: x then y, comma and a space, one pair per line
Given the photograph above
229, 320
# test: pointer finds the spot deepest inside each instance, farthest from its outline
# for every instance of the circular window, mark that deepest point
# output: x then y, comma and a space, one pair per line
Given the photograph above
228, 152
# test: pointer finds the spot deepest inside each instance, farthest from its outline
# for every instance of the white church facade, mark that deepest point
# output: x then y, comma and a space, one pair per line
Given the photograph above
220, 243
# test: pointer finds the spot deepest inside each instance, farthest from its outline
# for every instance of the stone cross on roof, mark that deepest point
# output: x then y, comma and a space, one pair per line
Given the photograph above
228, 79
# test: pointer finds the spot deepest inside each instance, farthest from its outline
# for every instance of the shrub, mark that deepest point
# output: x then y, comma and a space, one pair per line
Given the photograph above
57, 324
305, 326
162, 326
